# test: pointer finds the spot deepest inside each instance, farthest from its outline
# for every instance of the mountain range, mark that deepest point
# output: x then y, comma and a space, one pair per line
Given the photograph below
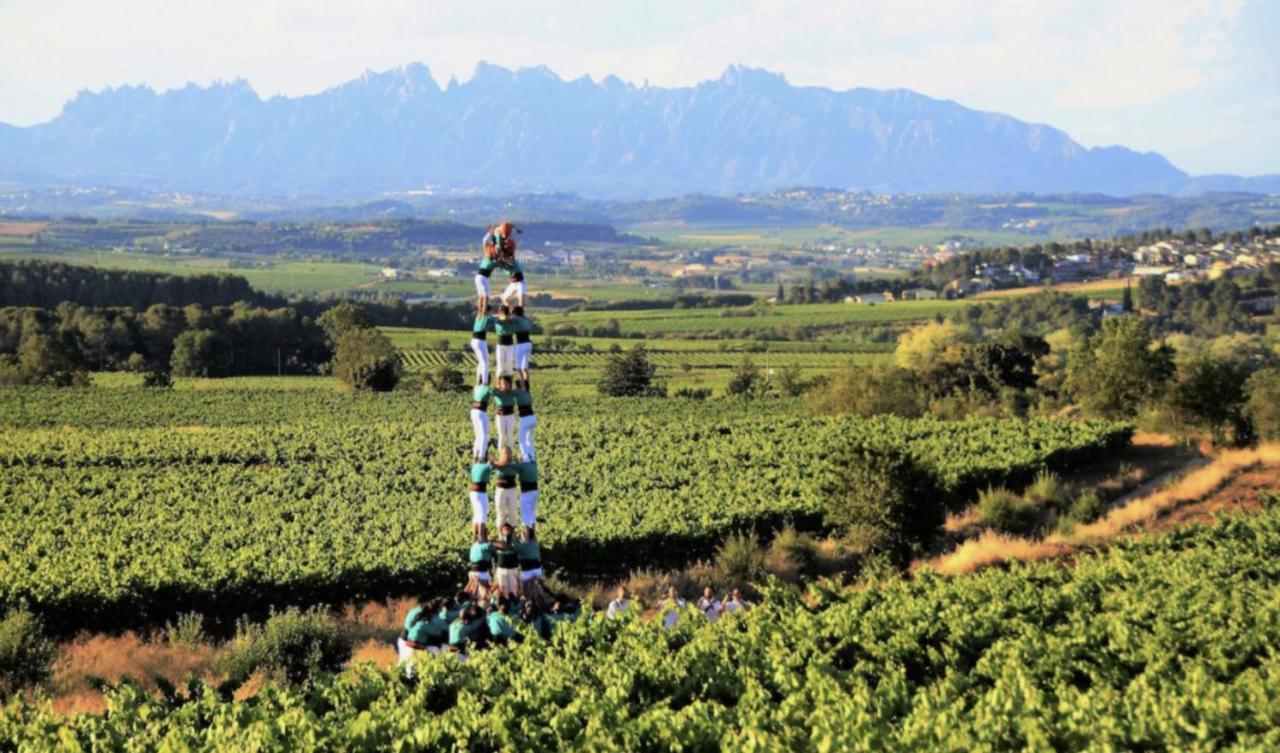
507, 131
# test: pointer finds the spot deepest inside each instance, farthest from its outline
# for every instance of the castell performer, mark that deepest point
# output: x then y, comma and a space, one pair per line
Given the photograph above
507, 563
505, 327
480, 396
482, 325
524, 344
527, 473
479, 559
504, 401
507, 495
531, 586
528, 421
481, 472
500, 253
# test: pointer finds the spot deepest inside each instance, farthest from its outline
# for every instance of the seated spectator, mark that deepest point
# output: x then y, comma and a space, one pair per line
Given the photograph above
735, 602
709, 604
620, 604
671, 608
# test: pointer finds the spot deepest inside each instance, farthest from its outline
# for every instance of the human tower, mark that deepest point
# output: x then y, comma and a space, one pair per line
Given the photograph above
505, 578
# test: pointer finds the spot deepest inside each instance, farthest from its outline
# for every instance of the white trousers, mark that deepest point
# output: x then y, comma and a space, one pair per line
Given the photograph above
482, 285
479, 507
508, 580
507, 500
524, 353
514, 292
527, 425
480, 423
506, 431
481, 350
506, 360
529, 507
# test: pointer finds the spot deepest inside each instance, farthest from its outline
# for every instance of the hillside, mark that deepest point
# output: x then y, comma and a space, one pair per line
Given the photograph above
506, 131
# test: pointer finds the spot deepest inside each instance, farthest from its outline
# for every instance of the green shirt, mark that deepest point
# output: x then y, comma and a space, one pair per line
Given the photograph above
487, 266
528, 551
524, 398
426, 630
505, 327
481, 394
481, 325
460, 632
522, 324
449, 614
528, 472
504, 399
500, 626
481, 473
507, 472
506, 557
411, 617
481, 553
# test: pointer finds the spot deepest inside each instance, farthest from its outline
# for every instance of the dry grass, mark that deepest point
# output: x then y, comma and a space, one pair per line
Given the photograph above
91, 659
994, 549
374, 651
1194, 486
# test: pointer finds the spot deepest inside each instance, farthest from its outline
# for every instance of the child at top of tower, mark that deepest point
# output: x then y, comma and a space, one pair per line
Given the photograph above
500, 253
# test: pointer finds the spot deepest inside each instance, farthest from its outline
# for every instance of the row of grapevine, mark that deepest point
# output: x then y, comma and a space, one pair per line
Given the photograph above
1165, 644
419, 359
235, 499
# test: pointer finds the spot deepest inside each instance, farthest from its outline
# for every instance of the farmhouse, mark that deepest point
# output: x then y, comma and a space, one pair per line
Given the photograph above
919, 294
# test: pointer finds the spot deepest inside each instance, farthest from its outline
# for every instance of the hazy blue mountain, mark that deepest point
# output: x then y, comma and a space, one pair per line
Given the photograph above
528, 130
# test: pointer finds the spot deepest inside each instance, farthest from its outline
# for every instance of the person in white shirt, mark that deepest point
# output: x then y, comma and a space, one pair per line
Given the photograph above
620, 604
671, 608
735, 602
709, 604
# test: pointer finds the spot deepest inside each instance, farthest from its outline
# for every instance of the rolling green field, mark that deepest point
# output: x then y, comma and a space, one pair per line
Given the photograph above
134, 504
793, 237
732, 322
283, 276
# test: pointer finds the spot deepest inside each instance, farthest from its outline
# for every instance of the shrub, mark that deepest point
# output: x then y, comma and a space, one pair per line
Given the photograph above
446, 378
1047, 490
740, 556
745, 380
1086, 508
798, 549
630, 375
884, 499
299, 646
1005, 511
693, 393
870, 392
366, 360
187, 631
25, 654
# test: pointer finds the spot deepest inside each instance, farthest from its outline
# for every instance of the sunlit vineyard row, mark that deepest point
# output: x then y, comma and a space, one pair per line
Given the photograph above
419, 359
1164, 644
203, 500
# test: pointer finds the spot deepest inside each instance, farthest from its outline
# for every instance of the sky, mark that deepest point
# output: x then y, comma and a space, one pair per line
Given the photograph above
1195, 80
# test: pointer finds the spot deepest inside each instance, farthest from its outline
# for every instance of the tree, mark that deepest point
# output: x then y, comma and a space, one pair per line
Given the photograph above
445, 378
873, 391
366, 360
1262, 407
781, 295
1209, 394
928, 344
1116, 371
42, 359
197, 353
1126, 301
884, 500
630, 374
341, 319
745, 381
791, 381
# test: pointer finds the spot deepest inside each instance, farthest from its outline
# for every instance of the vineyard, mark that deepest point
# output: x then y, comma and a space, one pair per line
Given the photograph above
1165, 644
419, 359
130, 505
744, 321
